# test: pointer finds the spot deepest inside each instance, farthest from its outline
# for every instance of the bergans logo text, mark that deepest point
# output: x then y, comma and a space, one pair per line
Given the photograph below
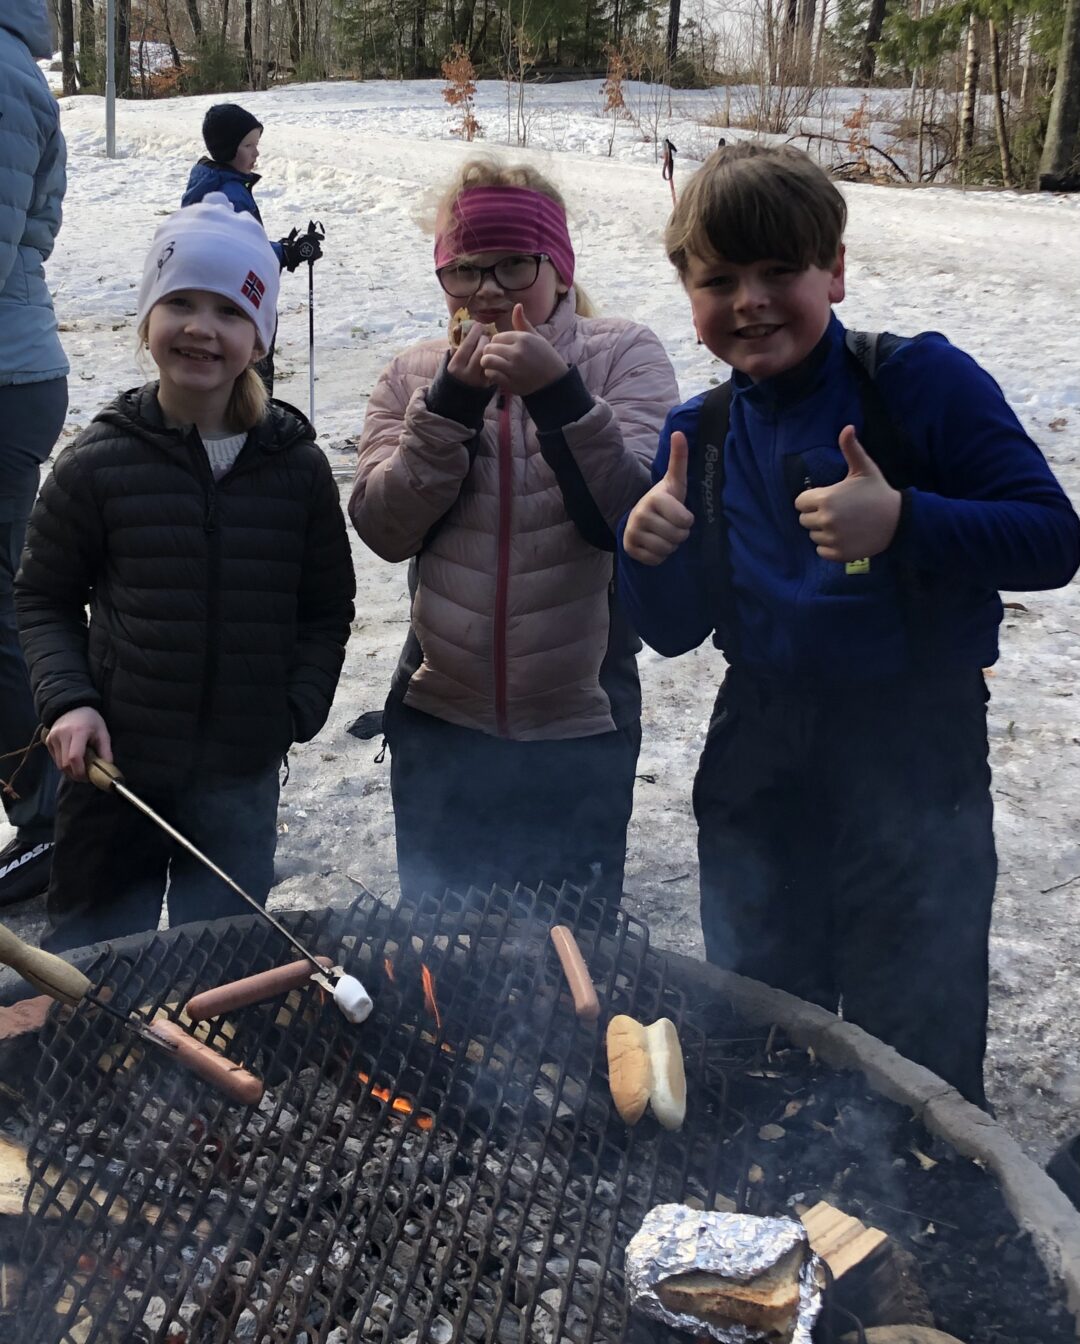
708, 481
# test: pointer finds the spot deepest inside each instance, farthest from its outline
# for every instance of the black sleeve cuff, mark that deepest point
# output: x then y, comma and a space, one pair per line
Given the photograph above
454, 400
560, 403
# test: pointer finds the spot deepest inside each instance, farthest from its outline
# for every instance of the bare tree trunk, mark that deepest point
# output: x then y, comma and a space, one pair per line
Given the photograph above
822, 12
249, 53
1059, 167
224, 21
123, 49
971, 90
673, 31
67, 48
871, 38
294, 32
264, 75
196, 19
999, 107
174, 50
419, 61
88, 71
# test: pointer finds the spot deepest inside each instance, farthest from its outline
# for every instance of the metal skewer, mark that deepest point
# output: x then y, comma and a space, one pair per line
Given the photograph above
106, 776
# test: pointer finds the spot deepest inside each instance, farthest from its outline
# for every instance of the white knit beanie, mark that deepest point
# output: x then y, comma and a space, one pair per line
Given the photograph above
213, 247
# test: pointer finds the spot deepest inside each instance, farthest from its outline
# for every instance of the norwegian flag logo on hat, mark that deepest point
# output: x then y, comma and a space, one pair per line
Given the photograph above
253, 289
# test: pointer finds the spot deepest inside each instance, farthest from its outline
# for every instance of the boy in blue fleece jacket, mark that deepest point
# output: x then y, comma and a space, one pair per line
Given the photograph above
232, 134
843, 795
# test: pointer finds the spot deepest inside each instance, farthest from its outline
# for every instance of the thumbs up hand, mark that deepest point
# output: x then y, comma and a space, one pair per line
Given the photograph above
660, 522
520, 360
858, 516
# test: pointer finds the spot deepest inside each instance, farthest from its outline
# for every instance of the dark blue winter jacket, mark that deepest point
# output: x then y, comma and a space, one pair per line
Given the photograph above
984, 513
208, 176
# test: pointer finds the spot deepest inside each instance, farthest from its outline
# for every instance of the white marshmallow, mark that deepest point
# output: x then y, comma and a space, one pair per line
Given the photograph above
353, 999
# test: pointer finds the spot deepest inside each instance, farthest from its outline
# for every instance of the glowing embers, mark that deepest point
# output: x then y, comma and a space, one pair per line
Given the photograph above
399, 1105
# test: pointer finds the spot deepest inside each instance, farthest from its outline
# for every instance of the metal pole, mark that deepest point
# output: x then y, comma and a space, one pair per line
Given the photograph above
311, 339
110, 78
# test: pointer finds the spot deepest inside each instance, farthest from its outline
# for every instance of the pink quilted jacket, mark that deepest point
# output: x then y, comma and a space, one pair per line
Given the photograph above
512, 605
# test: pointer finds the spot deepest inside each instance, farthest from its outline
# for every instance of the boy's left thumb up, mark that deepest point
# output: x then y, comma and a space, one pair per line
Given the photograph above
859, 462
519, 320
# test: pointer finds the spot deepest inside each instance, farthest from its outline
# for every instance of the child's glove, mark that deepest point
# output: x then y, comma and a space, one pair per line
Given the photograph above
300, 247
660, 522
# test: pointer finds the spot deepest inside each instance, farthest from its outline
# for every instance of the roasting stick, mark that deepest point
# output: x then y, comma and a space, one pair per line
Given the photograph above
582, 989
66, 983
346, 991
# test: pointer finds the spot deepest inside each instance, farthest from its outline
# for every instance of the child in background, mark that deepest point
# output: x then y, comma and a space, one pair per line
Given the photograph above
500, 469
232, 136
842, 799
201, 524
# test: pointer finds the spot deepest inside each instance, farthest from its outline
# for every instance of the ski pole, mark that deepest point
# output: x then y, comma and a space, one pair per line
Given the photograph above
311, 339
310, 251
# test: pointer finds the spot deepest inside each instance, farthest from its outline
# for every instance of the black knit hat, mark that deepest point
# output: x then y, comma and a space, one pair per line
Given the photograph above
224, 126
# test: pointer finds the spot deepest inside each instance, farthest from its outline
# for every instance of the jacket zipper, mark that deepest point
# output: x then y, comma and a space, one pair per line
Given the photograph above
502, 570
213, 602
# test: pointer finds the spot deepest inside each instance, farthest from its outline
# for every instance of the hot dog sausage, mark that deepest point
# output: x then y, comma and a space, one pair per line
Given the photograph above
252, 989
586, 1004
228, 1077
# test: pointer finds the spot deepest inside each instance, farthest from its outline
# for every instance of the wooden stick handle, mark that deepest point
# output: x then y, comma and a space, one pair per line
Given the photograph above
45, 971
102, 774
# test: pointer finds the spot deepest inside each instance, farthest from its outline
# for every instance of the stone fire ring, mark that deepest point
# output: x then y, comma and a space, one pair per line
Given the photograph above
1035, 1200
1039, 1206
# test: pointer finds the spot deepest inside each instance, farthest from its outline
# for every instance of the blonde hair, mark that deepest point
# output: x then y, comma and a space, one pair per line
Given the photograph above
752, 202
248, 399
488, 171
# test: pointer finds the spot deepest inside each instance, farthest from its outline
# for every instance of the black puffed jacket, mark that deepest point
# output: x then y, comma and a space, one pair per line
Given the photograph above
219, 611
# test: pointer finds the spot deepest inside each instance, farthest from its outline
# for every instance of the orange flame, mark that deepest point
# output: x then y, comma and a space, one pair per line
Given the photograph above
429, 995
388, 966
398, 1104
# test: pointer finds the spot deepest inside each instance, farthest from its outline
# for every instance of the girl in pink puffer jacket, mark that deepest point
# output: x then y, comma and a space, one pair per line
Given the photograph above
500, 469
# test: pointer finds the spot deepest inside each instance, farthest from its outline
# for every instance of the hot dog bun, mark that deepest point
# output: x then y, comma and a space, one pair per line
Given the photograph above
767, 1304
628, 1067
461, 323
645, 1068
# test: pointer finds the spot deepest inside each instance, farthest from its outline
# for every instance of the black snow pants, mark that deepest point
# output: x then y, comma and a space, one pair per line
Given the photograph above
847, 855
476, 810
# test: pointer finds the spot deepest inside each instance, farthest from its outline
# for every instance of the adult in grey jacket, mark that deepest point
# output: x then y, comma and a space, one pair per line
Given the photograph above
33, 403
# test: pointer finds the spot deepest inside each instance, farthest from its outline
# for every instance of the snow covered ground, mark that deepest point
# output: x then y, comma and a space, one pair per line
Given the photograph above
998, 273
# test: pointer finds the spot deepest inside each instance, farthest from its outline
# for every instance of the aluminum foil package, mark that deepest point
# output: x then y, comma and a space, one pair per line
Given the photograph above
674, 1239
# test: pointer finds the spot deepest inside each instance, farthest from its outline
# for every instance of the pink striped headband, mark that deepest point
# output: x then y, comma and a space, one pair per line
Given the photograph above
506, 219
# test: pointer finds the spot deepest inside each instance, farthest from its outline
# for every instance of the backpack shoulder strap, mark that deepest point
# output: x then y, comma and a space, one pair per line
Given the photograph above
883, 439
889, 446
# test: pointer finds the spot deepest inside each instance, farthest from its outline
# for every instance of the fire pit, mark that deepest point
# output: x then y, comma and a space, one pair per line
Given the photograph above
452, 1170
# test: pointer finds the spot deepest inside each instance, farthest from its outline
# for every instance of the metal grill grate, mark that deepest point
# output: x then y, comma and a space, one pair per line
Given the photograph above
496, 1209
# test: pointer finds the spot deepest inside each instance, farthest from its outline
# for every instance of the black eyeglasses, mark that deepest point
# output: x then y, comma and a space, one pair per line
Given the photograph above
461, 279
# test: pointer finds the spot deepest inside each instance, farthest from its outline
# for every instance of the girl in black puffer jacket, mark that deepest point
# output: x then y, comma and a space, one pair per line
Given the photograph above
201, 525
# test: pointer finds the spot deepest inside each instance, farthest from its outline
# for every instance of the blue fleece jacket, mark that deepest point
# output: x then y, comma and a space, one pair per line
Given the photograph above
207, 176
985, 513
